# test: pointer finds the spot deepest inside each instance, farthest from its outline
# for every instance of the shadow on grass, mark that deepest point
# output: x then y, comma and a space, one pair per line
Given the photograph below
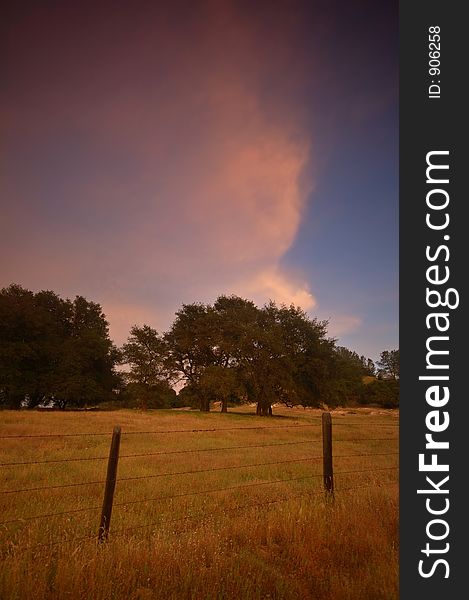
273, 417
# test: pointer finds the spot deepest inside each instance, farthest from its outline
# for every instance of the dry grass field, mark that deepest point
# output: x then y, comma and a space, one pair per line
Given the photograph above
182, 535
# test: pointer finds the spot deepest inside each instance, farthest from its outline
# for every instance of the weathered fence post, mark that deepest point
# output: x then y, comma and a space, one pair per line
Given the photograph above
328, 472
110, 485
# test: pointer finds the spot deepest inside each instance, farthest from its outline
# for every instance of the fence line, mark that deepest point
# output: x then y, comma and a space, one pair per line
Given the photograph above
188, 494
51, 435
167, 474
67, 485
168, 452
366, 470
53, 487
160, 498
234, 467
367, 454
386, 439
205, 430
374, 424
231, 509
160, 431
212, 469
164, 452
202, 516
327, 457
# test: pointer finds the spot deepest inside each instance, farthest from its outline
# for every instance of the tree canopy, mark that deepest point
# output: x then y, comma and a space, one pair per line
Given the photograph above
232, 351
147, 379
54, 350
388, 364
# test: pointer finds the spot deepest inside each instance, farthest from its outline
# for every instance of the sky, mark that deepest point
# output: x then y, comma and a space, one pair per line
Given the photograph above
161, 153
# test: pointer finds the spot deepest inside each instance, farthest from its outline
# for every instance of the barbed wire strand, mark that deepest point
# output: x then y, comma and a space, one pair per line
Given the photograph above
54, 487
122, 531
186, 494
200, 516
159, 498
161, 431
211, 429
386, 439
167, 452
162, 453
335, 423
367, 454
156, 475
366, 470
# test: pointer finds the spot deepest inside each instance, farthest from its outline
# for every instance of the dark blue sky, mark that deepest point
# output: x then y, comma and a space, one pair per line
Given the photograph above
348, 239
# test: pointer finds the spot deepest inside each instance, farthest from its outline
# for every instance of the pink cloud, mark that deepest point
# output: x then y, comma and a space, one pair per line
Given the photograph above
200, 178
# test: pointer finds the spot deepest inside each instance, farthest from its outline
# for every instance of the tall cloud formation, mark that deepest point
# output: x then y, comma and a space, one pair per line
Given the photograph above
165, 154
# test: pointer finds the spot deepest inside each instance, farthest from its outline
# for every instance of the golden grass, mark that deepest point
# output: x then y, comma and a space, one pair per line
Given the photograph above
236, 544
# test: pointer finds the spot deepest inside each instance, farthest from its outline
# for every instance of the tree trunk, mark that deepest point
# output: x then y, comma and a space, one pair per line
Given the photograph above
205, 405
264, 409
224, 405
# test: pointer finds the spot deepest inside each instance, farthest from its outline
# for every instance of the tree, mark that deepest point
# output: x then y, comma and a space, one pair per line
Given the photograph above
368, 366
297, 358
188, 396
236, 322
19, 334
383, 392
389, 364
278, 353
147, 380
222, 384
234, 349
145, 353
86, 374
345, 377
247, 345
190, 346
53, 317
54, 349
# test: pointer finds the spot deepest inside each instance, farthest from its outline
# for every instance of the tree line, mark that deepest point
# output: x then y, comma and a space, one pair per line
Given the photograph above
58, 351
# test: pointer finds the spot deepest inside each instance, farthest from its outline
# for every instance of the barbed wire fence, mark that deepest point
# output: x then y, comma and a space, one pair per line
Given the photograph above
328, 474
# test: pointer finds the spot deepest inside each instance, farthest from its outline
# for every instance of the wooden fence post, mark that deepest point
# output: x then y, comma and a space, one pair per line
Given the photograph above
106, 512
328, 472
